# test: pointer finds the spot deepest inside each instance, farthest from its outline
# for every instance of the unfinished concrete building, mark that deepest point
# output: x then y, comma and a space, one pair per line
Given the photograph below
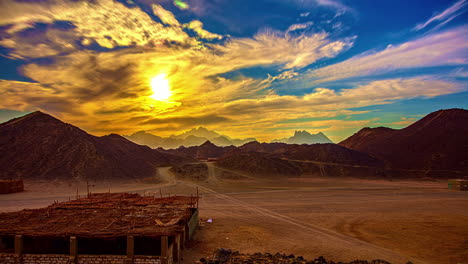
102, 228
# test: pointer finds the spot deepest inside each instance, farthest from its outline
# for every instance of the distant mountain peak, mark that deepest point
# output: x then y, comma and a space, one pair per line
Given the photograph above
207, 143
304, 137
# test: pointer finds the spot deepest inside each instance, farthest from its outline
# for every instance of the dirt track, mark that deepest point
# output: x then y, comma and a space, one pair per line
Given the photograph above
342, 219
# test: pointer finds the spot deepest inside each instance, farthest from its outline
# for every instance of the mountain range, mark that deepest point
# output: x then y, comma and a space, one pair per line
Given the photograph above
193, 137
40, 146
198, 136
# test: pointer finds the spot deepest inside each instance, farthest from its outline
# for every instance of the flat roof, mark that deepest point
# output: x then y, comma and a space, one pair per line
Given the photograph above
103, 215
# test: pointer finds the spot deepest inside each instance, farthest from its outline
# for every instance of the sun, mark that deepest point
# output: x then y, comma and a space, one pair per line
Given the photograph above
161, 88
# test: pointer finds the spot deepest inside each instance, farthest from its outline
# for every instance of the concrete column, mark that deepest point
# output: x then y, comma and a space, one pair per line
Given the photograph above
164, 249
176, 248
182, 239
187, 235
73, 249
130, 249
19, 245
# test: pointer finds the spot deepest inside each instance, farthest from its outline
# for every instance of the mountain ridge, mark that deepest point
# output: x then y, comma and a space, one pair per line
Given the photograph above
199, 135
304, 137
41, 146
436, 142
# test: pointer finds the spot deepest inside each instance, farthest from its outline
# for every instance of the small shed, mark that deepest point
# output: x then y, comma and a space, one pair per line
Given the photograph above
11, 186
458, 184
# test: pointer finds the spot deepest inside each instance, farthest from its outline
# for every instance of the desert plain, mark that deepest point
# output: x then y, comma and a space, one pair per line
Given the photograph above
342, 219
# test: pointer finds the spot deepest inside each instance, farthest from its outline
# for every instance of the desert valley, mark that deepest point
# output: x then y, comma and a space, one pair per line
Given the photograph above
352, 200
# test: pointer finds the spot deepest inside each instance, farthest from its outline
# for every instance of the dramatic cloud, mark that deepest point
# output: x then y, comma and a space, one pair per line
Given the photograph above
439, 49
197, 26
107, 22
97, 59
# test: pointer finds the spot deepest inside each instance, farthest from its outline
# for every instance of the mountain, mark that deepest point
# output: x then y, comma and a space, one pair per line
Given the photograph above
437, 143
193, 137
304, 137
39, 146
199, 132
143, 138
259, 164
291, 160
204, 151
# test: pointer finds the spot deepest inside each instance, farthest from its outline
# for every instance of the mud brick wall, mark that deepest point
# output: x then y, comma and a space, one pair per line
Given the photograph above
113, 259
83, 259
147, 260
101, 259
45, 259
34, 259
7, 258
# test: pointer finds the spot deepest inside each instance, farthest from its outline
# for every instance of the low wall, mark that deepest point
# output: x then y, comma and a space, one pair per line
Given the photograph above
34, 259
82, 259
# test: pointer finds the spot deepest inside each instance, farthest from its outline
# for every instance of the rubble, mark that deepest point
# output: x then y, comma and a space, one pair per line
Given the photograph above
228, 256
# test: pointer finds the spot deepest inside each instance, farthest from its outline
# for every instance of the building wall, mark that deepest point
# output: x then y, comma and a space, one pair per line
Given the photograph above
82, 259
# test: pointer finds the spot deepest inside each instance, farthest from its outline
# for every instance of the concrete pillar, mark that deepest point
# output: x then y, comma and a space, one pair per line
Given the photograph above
73, 249
176, 248
164, 249
19, 245
187, 235
130, 249
182, 239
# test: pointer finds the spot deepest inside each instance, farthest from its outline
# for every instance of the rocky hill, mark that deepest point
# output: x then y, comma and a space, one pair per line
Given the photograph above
437, 143
39, 146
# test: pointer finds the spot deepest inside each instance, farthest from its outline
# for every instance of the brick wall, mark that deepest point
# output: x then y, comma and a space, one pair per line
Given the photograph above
82, 259
35, 259
7, 258
147, 260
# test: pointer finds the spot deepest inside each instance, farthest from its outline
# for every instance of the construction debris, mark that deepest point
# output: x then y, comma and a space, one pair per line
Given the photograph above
228, 256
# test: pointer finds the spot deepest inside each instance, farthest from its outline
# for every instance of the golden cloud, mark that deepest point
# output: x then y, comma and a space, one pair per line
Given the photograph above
106, 92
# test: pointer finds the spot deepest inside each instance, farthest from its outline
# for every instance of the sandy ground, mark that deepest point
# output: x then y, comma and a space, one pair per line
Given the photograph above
341, 219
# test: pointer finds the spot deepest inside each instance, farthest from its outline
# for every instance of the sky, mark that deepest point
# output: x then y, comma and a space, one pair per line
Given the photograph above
243, 68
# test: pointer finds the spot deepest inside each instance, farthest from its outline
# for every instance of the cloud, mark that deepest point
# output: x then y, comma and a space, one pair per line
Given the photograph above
197, 26
325, 99
446, 16
333, 3
184, 122
108, 91
166, 17
279, 48
295, 27
108, 23
445, 48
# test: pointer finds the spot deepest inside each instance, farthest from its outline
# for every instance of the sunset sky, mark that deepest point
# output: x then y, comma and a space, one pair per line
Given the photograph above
243, 68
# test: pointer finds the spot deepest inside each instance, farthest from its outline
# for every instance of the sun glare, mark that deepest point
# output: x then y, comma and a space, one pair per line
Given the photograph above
161, 88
